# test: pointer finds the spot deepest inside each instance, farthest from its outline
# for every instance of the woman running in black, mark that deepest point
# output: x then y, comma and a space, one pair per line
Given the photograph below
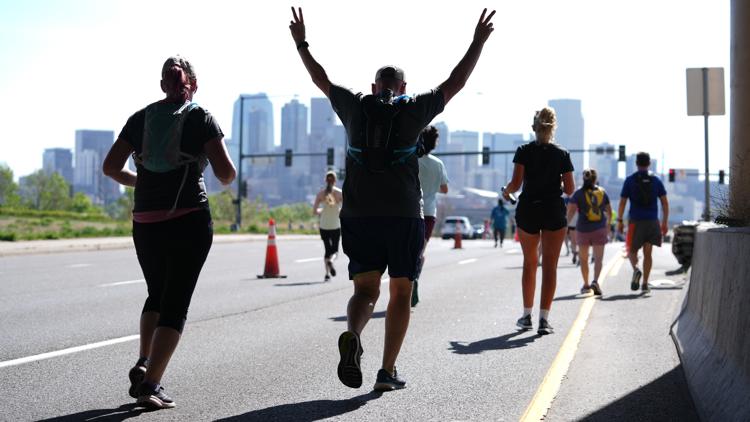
546, 172
171, 142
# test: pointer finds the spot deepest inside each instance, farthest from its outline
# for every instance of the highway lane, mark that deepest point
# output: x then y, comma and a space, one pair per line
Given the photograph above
265, 349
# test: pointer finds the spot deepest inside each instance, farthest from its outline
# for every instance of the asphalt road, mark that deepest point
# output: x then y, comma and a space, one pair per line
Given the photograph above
266, 349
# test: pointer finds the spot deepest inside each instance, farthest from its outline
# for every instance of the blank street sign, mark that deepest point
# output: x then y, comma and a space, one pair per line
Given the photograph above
715, 91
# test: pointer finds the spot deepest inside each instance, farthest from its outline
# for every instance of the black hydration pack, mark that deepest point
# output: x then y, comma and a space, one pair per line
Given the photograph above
379, 132
645, 185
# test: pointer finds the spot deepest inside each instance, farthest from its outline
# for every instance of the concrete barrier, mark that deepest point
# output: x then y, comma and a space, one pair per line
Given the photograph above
712, 331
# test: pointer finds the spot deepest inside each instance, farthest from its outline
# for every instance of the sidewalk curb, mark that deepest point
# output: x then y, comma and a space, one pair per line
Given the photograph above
34, 247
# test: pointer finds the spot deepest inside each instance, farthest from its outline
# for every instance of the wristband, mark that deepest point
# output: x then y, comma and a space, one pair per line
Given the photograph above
303, 44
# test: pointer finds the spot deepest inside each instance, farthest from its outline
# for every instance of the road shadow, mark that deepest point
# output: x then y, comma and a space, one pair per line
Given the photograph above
380, 314
635, 295
126, 411
504, 342
314, 410
570, 297
665, 399
301, 283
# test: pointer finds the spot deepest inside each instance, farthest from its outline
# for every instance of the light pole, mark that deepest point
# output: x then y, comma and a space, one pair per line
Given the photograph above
238, 216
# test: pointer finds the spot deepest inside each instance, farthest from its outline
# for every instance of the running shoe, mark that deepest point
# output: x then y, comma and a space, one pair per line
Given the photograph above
524, 322
585, 290
415, 294
327, 278
387, 382
350, 349
575, 257
331, 268
136, 375
635, 281
154, 398
544, 327
645, 288
595, 287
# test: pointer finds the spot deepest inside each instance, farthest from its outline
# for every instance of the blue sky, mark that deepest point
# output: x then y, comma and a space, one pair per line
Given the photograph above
70, 65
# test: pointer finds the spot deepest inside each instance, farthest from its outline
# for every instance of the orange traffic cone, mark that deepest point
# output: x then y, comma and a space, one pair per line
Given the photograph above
457, 235
272, 257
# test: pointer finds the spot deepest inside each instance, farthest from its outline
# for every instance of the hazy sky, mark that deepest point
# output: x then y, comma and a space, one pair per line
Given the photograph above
89, 64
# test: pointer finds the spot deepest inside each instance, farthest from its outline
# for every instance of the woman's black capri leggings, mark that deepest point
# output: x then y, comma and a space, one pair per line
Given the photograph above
330, 241
171, 254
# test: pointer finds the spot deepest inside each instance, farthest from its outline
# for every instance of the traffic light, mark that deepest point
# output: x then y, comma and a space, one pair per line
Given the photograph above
485, 156
243, 189
721, 177
288, 158
671, 175
621, 154
329, 156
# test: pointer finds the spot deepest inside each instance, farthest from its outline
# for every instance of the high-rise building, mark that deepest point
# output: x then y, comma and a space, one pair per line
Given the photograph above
257, 128
92, 147
324, 135
443, 137
603, 162
569, 133
59, 160
470, 142
501, 164
294, 137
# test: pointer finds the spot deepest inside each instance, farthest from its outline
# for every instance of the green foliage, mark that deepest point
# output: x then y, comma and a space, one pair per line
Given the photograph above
44, 191
81, 203
122, 209
8, 188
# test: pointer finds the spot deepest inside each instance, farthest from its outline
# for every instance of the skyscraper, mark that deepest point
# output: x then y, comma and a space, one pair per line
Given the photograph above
470, 142
257, 127
501, 164
322, 137
604, 163
294, 137
569, 133
444, 136
59, 160
92, 147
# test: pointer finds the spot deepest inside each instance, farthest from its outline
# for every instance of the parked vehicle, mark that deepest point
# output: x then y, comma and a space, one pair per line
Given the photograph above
478, 231
448, 230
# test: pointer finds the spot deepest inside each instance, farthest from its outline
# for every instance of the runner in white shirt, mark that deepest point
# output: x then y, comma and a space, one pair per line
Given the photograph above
433, 179
327, 205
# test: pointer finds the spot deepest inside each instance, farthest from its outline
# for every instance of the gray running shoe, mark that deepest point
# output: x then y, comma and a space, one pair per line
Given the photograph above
524, 322
388, 382
544, 327
585, 290
635, 281
136, 375
595, 287
350, 350
645, 288
154, 398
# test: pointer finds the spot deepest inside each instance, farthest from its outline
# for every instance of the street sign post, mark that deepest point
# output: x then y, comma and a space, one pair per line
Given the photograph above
705, 97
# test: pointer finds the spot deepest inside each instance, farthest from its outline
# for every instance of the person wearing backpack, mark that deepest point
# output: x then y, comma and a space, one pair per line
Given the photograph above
643, 189
546, 172
171, 142
382, 223
592, 229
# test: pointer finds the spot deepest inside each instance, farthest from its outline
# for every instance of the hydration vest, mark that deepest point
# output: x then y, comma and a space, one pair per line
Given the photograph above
593, 199
645, 186
378, 153
162, 137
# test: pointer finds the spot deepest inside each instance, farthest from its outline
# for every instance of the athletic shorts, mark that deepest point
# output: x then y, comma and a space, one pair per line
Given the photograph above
377, 243
429, 225
645, 231
534, 216
597, 237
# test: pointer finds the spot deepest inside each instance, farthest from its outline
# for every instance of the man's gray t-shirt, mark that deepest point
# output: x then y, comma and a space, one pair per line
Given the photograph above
395, 192
431, 175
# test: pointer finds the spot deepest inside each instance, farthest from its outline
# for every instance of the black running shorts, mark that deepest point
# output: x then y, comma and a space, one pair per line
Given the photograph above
377, 243
534, 216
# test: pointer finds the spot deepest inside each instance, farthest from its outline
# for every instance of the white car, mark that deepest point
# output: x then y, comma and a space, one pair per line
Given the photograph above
448, 231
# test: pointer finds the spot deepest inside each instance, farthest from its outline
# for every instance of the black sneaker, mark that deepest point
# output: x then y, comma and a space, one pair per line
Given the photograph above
595, 287
350, 349
525, 322
331, 269
415, 294
544, 327
635, 281
388, 382
575, 257
327, 278
136, 375
154, 398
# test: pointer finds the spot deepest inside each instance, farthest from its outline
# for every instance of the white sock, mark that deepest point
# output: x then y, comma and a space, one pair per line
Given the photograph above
526, 312
544, 314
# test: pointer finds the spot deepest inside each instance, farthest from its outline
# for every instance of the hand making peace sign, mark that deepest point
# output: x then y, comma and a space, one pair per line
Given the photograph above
484, 27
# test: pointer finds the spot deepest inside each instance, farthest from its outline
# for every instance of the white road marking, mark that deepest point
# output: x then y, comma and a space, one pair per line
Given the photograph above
299, 261
79, 265
663, 282
122, 283
68, 351
467, 261
513, 251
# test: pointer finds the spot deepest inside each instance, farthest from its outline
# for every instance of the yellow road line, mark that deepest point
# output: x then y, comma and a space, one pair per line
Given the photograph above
537, 409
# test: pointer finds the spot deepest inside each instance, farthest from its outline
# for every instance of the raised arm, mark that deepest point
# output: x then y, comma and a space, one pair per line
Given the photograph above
463, 69
316, 71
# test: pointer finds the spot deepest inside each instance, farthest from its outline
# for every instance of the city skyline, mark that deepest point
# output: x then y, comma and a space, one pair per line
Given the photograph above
631, 82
